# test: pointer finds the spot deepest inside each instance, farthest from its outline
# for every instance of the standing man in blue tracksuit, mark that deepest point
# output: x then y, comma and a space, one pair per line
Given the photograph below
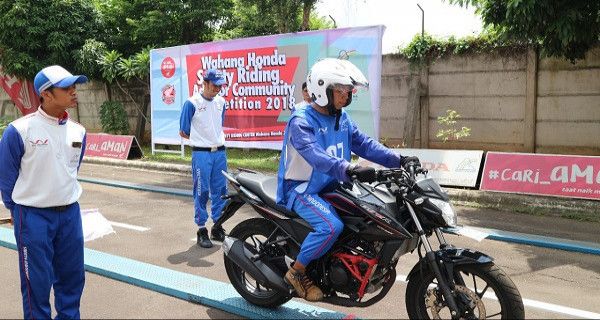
316, 153
40, 155
201, 121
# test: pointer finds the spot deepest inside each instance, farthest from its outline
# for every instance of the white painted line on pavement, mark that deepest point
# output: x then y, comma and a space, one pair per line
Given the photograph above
129, 226
538, 305
551, 307
561, 309
119, 224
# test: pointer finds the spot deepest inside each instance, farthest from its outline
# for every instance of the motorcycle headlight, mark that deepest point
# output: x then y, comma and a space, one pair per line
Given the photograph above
447, 211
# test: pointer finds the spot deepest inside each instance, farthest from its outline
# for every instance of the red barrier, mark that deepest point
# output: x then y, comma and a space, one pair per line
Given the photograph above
554, 175
112, 146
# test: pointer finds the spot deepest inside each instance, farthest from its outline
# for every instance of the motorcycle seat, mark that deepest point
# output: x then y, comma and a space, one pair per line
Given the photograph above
265, 187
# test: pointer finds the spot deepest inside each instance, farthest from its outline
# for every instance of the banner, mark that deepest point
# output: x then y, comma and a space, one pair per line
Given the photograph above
112, 146
553, 175
457, 168
20, 92
264, 77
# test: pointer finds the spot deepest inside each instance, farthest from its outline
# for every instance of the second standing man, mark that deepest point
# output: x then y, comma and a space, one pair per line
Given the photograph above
201, 121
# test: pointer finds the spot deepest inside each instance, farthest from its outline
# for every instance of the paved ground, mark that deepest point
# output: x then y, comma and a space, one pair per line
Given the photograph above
545, 275
105, 298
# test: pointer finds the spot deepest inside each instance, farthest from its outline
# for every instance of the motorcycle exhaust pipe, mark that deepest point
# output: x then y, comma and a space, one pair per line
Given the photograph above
263, 273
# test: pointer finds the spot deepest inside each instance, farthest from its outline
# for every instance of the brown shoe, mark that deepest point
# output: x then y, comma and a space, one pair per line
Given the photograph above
305, 288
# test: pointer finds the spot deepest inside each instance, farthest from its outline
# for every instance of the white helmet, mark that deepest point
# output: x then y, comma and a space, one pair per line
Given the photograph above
328, 72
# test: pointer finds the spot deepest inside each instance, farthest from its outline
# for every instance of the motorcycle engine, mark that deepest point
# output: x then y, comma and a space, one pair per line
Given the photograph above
340, 278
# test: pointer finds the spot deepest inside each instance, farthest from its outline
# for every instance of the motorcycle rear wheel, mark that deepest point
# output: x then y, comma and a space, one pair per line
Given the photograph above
253, 231
424, 301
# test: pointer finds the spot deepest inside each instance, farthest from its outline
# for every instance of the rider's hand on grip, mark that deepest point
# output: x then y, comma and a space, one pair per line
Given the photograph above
407, 161
363, 174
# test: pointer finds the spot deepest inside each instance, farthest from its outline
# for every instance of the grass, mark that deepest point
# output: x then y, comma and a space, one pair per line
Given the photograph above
259, 160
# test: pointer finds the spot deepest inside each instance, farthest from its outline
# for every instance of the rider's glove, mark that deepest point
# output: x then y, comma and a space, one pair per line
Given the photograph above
363, 174
406, 161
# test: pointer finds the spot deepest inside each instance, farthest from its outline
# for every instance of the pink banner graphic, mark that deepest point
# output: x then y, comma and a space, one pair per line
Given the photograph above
20, 92
108, 146
553, 175
255, 95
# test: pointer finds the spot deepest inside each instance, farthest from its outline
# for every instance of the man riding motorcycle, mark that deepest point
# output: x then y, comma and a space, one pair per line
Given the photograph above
316, 154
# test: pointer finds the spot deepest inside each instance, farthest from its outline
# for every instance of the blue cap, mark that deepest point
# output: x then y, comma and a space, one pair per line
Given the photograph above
214, 76
55, 76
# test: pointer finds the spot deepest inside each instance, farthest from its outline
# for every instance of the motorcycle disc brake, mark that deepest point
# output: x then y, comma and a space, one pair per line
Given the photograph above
435, 305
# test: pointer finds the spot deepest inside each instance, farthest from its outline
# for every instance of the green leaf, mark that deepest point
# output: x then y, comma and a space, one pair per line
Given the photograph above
113, 118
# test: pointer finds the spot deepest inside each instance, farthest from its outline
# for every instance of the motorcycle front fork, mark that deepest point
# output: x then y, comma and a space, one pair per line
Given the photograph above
443, 284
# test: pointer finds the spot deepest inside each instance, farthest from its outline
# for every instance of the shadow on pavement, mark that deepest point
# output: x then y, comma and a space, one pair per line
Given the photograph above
539, 259
194, 256
218, 314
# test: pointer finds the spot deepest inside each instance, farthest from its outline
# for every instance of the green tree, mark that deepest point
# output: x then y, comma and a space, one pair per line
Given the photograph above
133, 25
113, 118
88, 57
265, 17
316, 22
135, 71
562, 28
38, 33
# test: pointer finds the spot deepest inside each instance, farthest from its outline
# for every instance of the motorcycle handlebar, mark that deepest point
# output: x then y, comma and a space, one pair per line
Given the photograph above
385, 175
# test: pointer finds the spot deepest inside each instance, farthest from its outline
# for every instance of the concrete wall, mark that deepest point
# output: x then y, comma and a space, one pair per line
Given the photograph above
395, 79
511, 102
568, 106
489, 94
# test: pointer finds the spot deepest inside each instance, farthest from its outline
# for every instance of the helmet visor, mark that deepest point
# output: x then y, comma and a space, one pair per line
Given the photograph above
344, 89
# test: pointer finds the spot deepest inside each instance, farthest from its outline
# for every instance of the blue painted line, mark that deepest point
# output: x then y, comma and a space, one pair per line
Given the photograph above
141, 187
186, 286
538, 241
499, 235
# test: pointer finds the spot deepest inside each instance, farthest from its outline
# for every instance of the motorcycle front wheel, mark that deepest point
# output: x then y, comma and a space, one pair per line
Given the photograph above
254, 232
481, 292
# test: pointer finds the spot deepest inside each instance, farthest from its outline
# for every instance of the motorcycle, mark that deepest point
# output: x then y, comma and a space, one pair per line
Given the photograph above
391, 217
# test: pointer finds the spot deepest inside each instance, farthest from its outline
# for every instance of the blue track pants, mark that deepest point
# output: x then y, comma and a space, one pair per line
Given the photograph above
50, 245
208, 181
325, 222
